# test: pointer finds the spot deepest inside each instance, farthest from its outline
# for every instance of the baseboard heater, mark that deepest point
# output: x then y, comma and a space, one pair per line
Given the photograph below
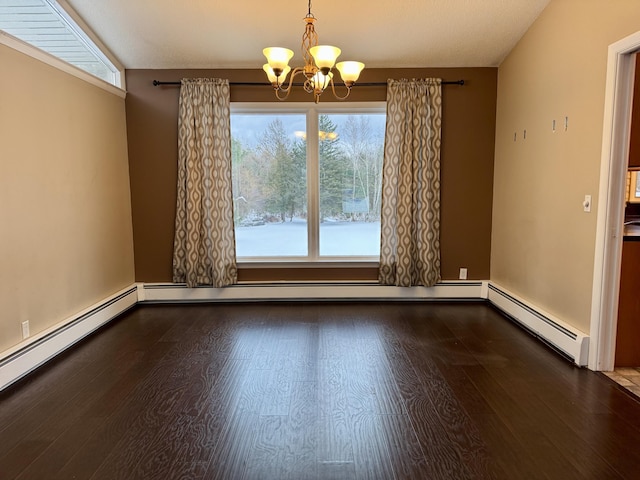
172, 292
569, 341
25, 357
32, 353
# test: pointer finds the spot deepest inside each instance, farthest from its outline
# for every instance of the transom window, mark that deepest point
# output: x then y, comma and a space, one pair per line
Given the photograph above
307, 181
47, 26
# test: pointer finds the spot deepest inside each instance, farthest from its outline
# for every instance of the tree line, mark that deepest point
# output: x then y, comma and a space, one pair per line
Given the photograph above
270, 180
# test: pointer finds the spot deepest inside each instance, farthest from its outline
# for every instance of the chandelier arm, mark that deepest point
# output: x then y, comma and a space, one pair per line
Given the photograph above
279, 87
333, 89
285, 96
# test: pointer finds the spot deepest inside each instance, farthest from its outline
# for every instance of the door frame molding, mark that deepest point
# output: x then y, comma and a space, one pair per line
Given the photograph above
613, 167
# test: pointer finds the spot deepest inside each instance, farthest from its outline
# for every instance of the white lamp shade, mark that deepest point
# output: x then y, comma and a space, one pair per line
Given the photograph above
272, 76
325, 55
350, 71
320, 80
277, 57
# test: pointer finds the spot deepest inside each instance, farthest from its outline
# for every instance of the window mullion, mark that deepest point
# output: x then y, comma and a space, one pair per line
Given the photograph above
313, 185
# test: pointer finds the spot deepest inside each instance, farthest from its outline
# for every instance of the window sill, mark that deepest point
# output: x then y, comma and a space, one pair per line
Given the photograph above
306, 271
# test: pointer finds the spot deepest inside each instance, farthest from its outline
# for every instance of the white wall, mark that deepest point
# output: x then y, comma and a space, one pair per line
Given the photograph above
65, 213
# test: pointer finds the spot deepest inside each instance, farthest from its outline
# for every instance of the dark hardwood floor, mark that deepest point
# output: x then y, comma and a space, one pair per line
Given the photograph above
316, 391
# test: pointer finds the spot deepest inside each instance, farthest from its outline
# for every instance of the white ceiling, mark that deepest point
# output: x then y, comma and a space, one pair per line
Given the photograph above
161, 34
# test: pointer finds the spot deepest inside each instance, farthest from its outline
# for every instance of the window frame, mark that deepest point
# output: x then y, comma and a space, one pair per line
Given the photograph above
116, 84
312, 112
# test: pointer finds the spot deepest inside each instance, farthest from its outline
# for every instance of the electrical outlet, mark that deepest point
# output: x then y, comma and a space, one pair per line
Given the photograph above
463, 274
25, 329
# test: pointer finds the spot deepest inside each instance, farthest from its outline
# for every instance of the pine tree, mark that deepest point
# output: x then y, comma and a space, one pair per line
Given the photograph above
284, 178
333, 169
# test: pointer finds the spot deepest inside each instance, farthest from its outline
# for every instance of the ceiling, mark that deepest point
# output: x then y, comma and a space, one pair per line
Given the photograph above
162, 34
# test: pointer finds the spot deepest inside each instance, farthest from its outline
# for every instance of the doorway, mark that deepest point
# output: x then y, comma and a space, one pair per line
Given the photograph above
608, 250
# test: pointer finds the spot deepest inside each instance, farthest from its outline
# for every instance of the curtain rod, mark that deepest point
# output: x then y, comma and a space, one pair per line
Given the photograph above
251, 84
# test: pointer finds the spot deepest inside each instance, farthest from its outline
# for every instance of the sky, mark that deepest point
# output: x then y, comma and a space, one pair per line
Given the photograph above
249, 128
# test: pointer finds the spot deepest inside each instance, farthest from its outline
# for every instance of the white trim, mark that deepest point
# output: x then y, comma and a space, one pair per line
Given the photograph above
312, 113
613, 165
33, 52
569, 340
171, 292
18, 361
84, 33
484, 293
313, 184
141, 294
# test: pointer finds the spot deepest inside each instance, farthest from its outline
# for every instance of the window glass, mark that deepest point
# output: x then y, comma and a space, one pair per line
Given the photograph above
269, 185
350, 154
307, 182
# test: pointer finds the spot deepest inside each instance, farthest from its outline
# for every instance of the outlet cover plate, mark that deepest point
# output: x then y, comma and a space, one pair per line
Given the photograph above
25, 329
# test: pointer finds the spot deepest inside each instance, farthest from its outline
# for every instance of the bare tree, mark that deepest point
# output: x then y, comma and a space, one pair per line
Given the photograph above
362, 148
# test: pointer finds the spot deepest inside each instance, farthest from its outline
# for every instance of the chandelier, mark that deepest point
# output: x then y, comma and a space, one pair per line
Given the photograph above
318, 62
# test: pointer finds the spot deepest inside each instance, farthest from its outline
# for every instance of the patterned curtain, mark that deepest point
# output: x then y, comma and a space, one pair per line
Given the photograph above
410, 223
204, 251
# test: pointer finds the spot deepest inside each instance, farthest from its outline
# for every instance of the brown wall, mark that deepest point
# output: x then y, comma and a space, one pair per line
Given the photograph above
468, 132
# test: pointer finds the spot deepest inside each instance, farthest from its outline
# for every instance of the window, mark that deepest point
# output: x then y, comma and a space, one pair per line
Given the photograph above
45, 25
307, 181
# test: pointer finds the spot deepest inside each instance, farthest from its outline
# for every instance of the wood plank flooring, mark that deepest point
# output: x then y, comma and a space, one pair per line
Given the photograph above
316, 391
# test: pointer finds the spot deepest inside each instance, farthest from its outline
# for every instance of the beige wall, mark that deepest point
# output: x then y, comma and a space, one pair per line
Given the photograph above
542, 241
65, 216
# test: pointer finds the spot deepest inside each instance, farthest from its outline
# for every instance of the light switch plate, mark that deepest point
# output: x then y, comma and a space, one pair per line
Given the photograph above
587, 203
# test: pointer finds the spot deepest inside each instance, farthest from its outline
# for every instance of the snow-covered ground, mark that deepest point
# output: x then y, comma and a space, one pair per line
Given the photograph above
290, 239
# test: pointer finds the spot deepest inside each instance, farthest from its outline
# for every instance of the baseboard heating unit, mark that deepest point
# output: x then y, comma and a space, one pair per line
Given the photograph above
18, 361
172, 292
30, 354
565, 338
